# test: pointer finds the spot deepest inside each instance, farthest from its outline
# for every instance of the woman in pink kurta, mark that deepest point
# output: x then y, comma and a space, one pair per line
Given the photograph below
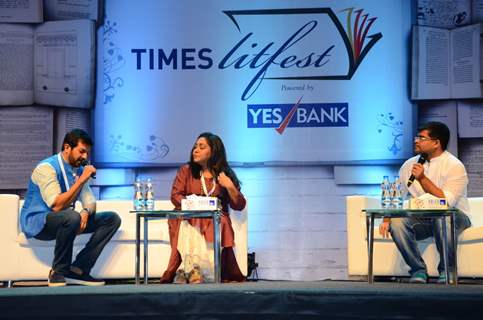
207, 174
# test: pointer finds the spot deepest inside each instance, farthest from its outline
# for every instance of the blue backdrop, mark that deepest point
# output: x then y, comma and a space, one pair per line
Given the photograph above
280, 82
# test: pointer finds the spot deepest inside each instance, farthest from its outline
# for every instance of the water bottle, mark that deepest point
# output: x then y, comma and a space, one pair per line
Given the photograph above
138, 201
385, 193
394, 196
149, 195
397, 200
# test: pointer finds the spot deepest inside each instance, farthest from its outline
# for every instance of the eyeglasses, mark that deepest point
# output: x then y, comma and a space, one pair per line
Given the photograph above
421, 138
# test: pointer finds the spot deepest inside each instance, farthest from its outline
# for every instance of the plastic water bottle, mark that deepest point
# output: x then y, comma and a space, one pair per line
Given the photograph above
385, 193
397, 197
149, 195
138, 200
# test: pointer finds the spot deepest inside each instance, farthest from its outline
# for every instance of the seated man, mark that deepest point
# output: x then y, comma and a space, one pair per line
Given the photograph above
48, 211
443, 176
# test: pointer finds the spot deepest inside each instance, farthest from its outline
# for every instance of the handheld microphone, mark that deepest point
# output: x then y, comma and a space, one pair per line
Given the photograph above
422, 159
84, 163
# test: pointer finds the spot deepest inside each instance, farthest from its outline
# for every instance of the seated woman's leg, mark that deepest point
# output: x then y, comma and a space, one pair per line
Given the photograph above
175, 257
229, 266
230, 270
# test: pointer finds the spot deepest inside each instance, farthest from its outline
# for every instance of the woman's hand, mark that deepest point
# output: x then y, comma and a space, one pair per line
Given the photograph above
225, 181
237, 201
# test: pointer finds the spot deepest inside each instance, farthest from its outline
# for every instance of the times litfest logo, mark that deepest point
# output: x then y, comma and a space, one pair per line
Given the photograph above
295, 52
282, 116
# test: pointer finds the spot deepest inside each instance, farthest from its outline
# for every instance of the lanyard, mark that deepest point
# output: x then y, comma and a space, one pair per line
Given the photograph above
203, 185
64, 175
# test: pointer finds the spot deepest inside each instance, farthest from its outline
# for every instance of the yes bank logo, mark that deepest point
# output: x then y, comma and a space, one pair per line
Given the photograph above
281, 116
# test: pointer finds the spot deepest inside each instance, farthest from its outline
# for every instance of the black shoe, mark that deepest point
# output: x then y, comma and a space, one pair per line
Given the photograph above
83, 279
56, 279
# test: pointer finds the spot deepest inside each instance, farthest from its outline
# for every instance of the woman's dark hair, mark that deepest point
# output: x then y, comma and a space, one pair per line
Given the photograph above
437, 130
72, 138
217, 162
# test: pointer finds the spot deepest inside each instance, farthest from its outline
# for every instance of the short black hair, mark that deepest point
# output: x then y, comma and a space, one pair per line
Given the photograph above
437, 130
72, 138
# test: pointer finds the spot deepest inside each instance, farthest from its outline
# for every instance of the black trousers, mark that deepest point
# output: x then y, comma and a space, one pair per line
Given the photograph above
63, 226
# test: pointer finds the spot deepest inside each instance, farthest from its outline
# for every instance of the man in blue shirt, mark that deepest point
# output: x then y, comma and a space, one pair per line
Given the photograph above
48, 211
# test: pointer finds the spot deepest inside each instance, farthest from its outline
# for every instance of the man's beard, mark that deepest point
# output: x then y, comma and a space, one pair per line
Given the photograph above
73, 162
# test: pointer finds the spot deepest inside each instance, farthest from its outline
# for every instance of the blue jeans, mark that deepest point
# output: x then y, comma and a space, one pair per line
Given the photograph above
407, 231
63, 226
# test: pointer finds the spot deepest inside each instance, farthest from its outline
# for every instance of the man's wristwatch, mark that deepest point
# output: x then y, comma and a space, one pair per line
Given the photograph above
88, 210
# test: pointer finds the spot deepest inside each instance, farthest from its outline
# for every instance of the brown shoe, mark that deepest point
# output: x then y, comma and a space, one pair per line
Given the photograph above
195, 275
56, 279
180, 277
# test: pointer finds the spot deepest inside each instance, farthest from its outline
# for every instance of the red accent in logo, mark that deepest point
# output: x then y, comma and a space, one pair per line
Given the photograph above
288, 117
357, 33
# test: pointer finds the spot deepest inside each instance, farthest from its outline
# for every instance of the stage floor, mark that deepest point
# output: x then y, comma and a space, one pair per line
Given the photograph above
262, 299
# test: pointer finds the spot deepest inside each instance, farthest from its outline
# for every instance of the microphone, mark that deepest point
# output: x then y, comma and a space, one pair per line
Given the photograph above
422, 159
84, 163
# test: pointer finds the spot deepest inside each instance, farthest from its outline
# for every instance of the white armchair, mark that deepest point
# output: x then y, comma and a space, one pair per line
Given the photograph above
387, 259
30, 259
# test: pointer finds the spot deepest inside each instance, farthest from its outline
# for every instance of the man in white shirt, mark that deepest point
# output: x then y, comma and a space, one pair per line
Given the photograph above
443, 176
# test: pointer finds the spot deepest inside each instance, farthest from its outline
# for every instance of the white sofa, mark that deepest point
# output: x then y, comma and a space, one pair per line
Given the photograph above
30, 259
388, 261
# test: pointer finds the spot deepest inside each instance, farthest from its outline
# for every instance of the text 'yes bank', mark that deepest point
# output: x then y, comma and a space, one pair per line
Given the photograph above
298, 115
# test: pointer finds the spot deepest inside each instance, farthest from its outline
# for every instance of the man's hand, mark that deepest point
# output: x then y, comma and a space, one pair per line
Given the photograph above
384, 228
83, 223
418, 171
89, 170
